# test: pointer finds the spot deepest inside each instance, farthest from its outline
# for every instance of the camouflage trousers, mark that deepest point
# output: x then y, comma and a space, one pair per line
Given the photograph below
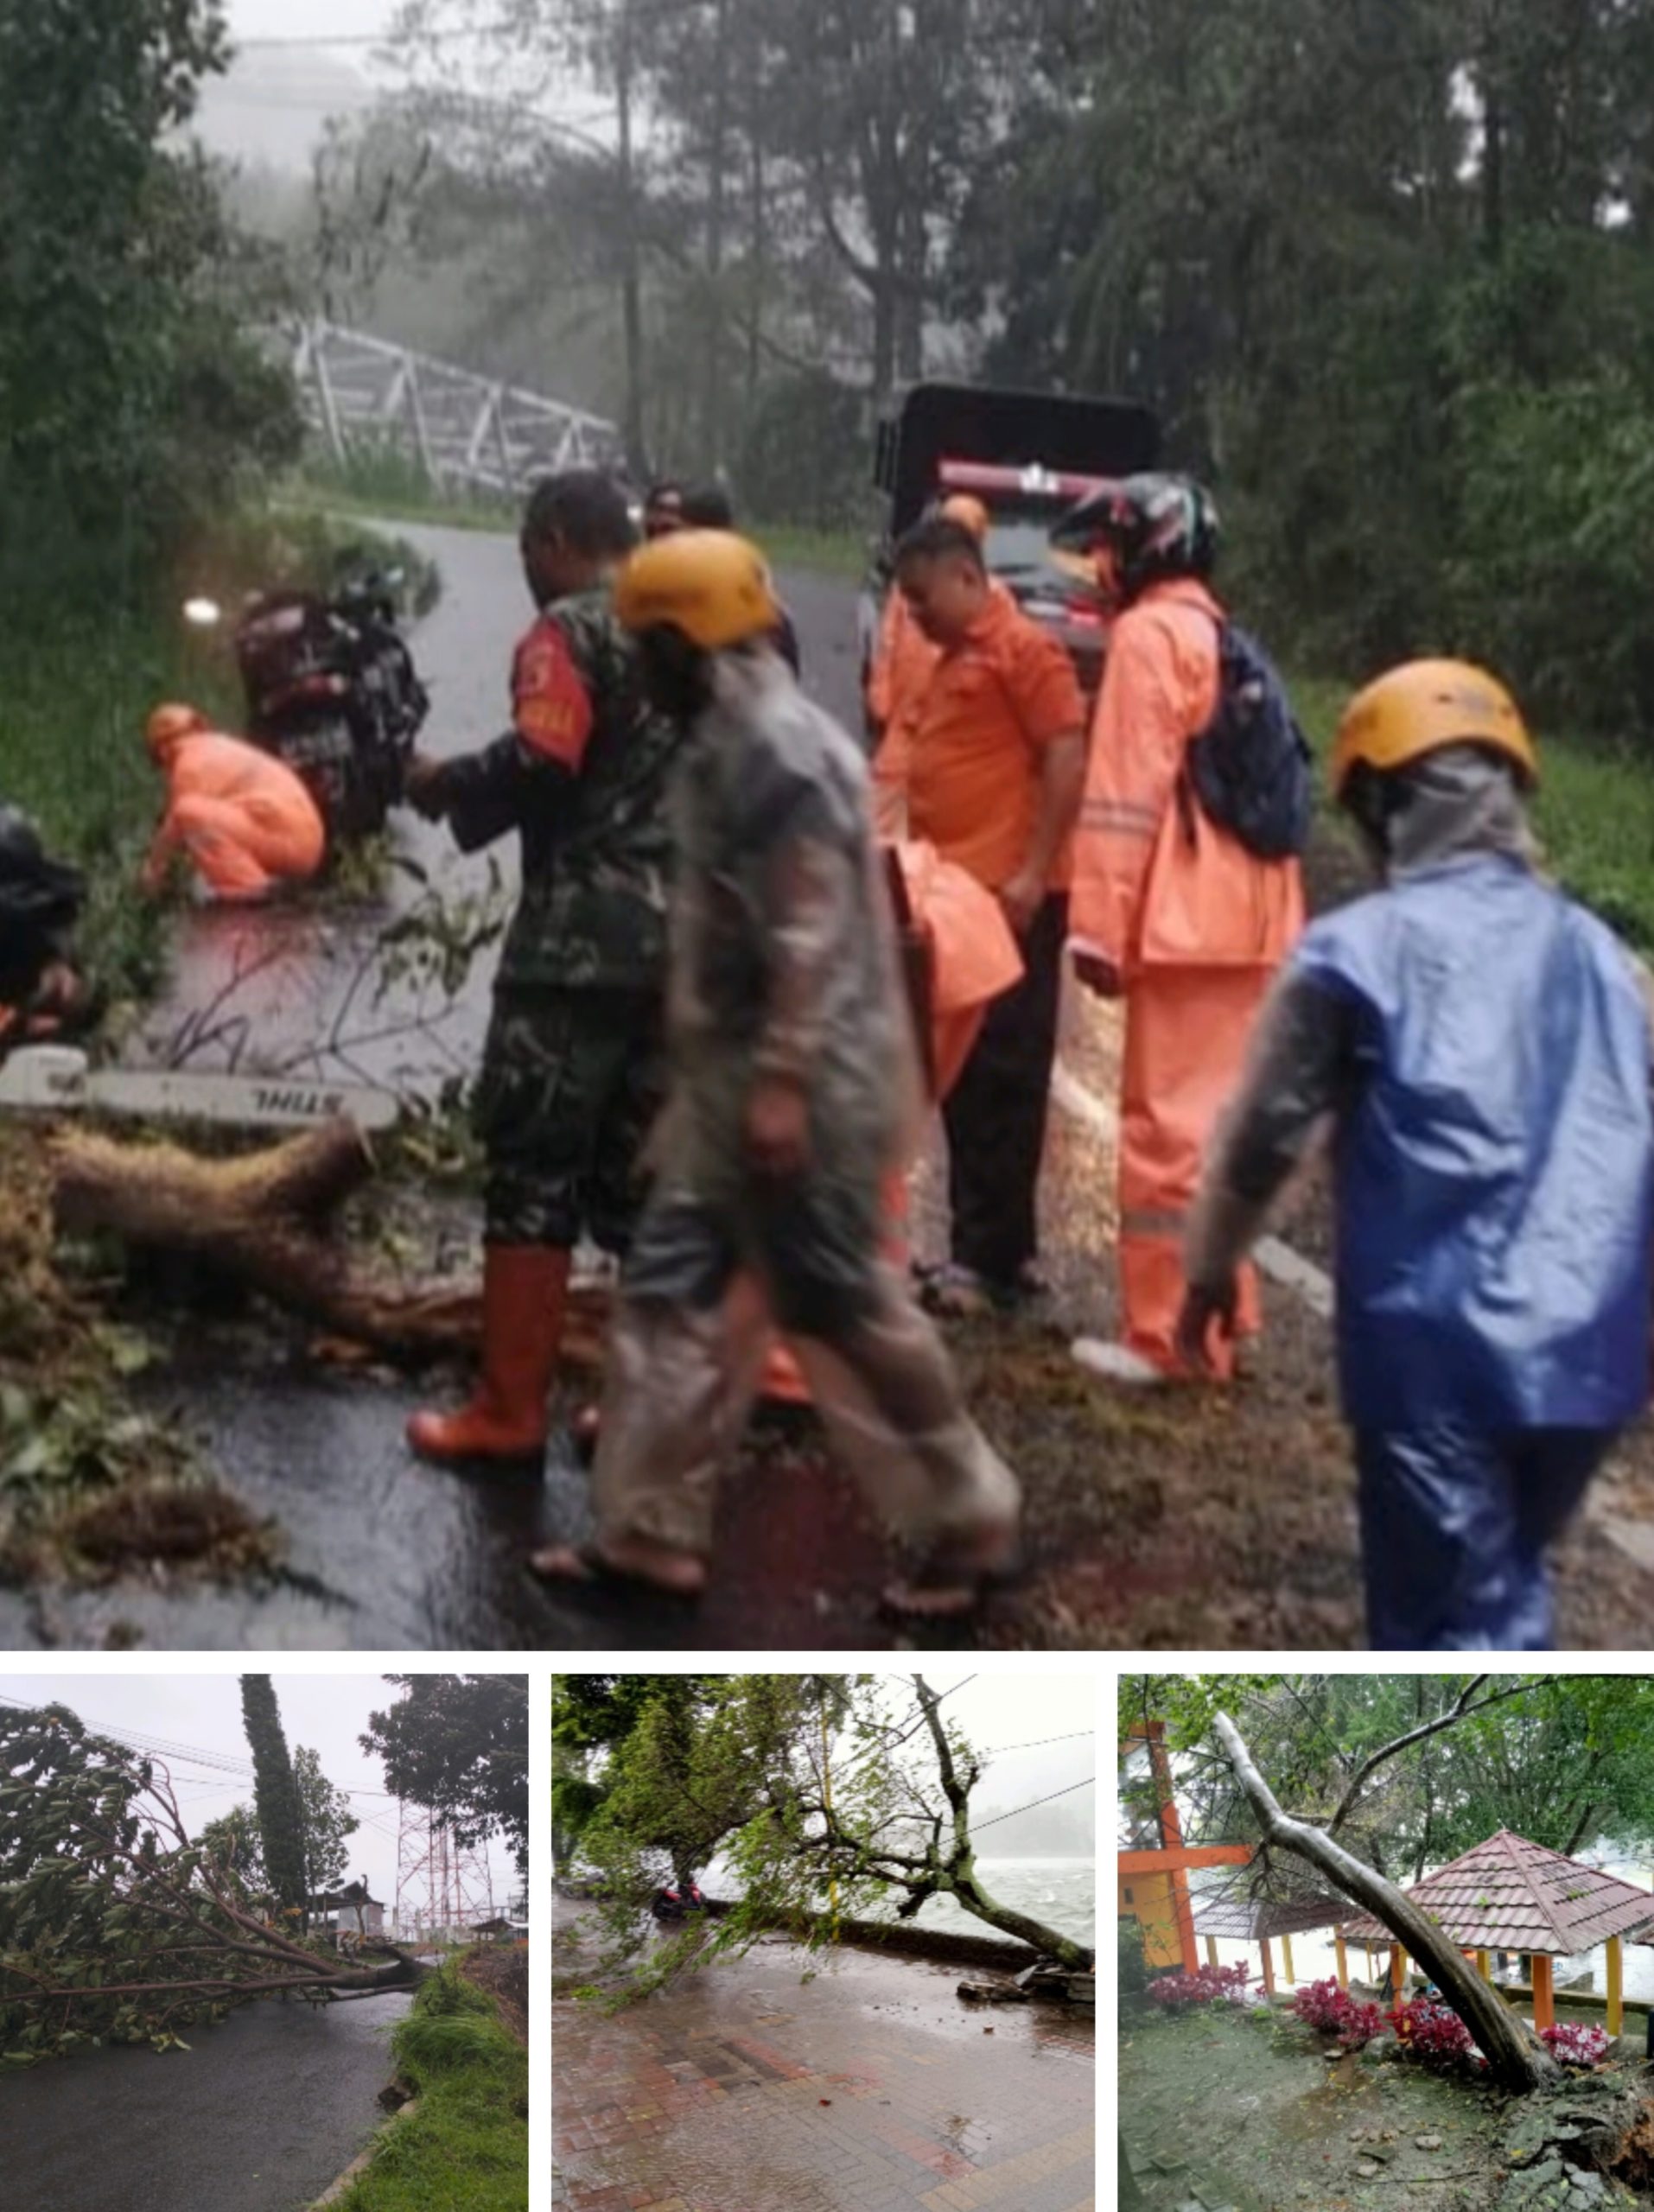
571, 1083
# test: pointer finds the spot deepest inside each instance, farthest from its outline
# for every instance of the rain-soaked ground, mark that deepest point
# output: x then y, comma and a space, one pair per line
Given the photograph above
835, 2081
1217, 2107
1182, 1521
259, 2113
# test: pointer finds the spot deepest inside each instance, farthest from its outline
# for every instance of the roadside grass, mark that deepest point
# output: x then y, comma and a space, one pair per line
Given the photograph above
387, 487
1595, 812
465, 2149
822, 552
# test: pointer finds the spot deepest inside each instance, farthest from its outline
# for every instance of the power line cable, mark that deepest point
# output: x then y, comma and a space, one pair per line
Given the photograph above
1089, 1783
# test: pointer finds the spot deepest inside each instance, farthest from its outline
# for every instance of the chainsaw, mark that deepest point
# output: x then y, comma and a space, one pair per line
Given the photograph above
59, 1079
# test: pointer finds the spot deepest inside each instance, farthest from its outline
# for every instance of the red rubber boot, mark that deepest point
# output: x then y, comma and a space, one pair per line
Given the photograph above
524, 1293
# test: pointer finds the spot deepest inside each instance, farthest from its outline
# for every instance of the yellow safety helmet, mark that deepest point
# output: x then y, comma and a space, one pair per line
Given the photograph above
967, 510
169, 723
1422, 707
710, 584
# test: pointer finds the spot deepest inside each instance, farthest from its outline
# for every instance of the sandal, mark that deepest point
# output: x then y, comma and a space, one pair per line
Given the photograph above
946, 1588
583, 1567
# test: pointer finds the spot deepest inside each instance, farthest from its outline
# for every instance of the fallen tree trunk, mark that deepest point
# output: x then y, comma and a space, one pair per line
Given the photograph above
264, 1221
1516, 2057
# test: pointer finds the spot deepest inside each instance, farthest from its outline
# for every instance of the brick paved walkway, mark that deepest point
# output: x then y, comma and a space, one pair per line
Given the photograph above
870, 2088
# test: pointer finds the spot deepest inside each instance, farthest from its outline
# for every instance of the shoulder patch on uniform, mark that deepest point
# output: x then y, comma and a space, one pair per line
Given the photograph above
552, 706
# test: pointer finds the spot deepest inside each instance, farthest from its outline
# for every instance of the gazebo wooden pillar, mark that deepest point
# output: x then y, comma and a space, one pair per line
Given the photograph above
1165, 1872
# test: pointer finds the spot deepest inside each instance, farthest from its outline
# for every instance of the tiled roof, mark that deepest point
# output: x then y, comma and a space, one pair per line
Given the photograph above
1251, 1922
1510, 1895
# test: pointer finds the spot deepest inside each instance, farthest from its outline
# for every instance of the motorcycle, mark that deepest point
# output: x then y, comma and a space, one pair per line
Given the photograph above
673, 1905
42, 992
332, 690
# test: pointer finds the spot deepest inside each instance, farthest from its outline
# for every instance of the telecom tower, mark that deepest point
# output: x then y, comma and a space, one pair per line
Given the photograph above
441, 1889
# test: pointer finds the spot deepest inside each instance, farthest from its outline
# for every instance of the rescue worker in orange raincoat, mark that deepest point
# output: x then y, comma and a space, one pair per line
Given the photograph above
1168, 911
241, 819
793, 1095
904, 659
995, 770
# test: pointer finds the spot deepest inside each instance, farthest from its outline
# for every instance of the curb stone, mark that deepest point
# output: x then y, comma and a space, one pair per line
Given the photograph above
360, 2164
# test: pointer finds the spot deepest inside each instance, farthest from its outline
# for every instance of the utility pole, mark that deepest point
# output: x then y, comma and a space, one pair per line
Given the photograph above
631, 259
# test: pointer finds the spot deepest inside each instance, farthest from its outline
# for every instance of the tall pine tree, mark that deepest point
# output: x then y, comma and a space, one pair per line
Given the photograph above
276, 1794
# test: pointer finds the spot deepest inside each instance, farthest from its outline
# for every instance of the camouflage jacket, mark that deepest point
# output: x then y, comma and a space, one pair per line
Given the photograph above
596, 840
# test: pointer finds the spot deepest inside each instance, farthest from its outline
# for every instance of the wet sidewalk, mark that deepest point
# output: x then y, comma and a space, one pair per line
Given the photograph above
869, 2087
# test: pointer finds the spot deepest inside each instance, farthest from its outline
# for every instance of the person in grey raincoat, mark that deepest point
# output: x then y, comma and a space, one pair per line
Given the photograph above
793, 1095
1481, 1046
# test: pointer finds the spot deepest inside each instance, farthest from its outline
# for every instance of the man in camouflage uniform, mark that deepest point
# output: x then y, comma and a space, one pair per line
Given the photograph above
794, 1094
572, 1073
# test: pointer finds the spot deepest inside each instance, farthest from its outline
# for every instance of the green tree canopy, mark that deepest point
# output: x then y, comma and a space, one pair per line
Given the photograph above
809, 1787
276, 1795
1566, 1760
114, 1927
457, 1744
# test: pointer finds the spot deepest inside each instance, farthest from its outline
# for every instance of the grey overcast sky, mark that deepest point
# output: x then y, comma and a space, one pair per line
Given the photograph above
1018, 1715
326, 1713
319, 19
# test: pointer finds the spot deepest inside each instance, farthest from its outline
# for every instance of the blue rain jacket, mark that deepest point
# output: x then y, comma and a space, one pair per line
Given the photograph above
1495, 1168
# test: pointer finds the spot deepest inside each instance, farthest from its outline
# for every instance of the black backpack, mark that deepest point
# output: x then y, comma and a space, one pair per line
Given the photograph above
1250, 768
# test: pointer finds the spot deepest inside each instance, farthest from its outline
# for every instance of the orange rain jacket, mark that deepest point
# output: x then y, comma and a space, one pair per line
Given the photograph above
1196, 926
243, 818
1155, 884
904, 661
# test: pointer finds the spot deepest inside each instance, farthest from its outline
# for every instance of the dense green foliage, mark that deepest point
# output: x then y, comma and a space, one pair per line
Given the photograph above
466, 2141
1383, 265
326, 1822
136, 406
816, 1790
458, 1745
1566, 1760
114, 1926
276, 1795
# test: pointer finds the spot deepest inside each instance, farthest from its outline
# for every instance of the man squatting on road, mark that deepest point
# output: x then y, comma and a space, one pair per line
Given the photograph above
794, 1093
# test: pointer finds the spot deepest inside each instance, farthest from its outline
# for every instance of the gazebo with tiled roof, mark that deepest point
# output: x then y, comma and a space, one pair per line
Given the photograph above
1262, 1920
1511, 1895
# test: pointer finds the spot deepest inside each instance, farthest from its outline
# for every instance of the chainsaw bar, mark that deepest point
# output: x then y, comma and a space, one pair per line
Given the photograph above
57, 1079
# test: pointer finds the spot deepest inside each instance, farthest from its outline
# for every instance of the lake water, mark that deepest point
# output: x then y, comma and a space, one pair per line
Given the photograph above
1314, 1960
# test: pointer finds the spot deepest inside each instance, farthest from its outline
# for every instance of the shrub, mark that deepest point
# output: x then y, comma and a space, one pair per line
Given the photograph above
1576, 2045
1324, 2005
1433, 2033
1133, 1977
1210, 1984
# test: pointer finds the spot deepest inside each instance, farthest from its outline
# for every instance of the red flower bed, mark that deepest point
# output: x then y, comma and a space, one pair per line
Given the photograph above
1576, 2045
1173, 1991
1324, 2005
1433, 2033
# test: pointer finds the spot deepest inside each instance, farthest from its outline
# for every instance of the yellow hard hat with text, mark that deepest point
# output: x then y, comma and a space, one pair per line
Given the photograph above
1423, 705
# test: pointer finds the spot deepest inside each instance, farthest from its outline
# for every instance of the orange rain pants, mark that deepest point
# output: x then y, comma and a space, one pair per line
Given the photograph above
244, 819
975, 957
1196, 927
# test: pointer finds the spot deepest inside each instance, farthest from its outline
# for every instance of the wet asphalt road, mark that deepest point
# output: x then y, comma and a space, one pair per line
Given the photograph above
258, 2115
382, 1554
